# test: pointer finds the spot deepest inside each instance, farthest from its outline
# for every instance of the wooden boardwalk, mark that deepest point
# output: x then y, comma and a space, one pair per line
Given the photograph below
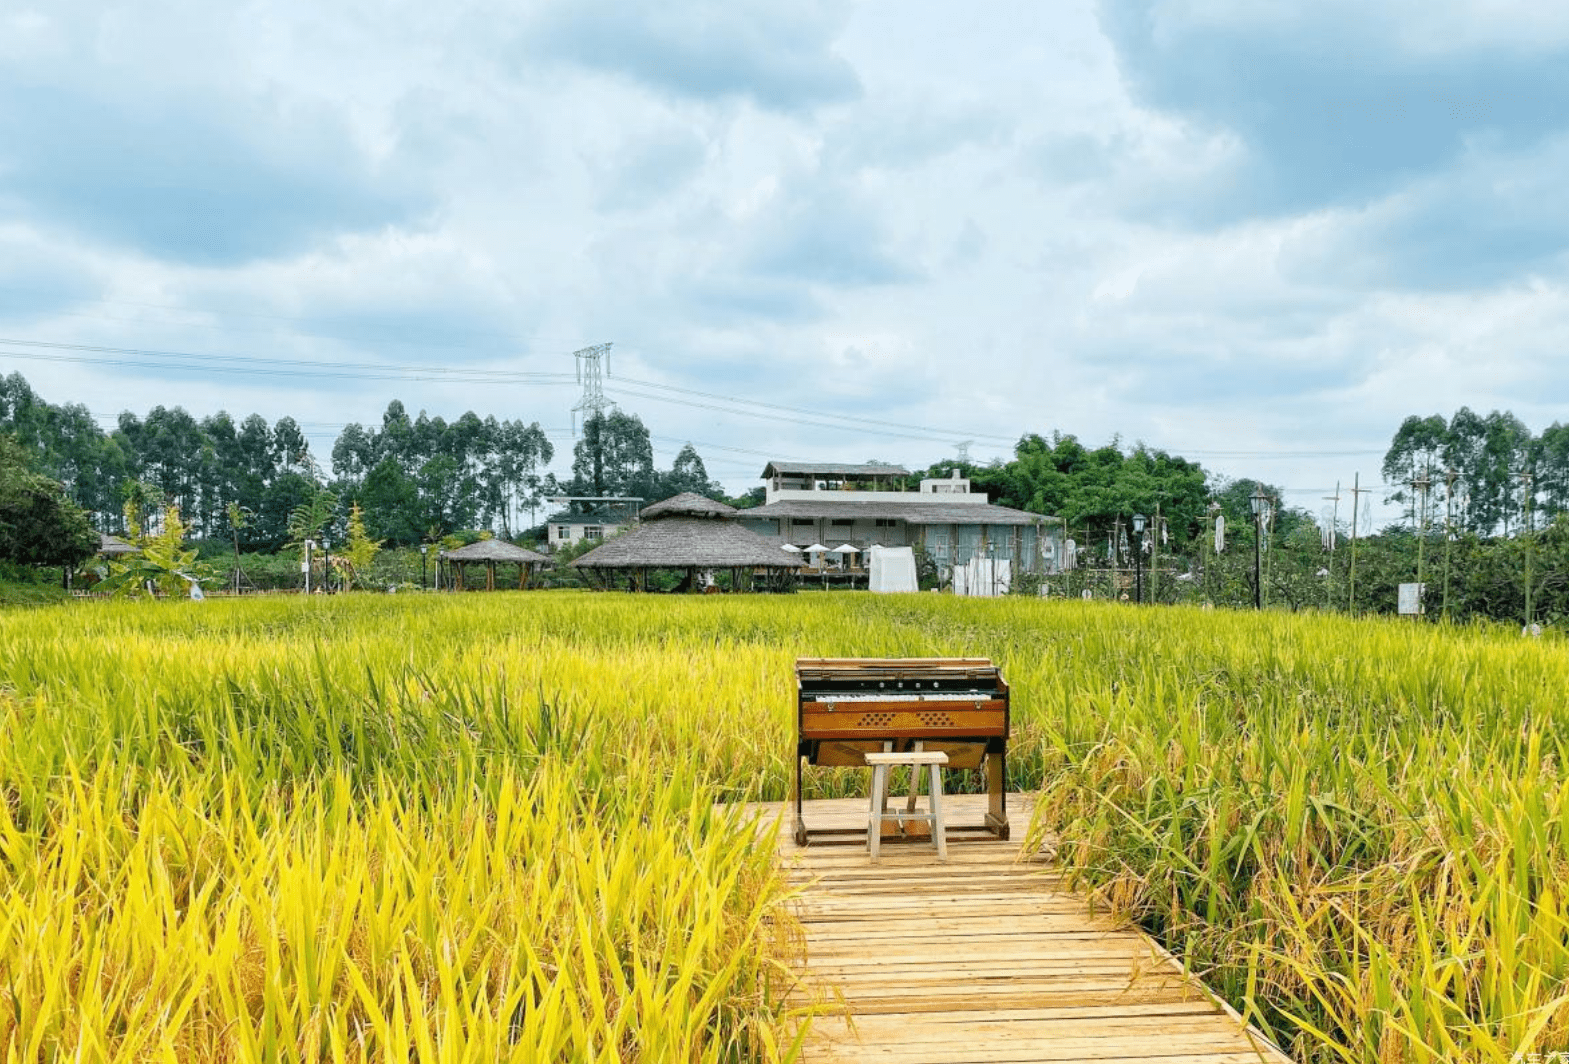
985, 958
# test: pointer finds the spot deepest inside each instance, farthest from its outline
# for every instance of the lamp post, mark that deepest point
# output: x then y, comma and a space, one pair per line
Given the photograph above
309, 544
1138, 558
1259, 500
424, 549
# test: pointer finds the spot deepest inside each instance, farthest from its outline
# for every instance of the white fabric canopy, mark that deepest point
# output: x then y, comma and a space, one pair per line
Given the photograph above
893, 570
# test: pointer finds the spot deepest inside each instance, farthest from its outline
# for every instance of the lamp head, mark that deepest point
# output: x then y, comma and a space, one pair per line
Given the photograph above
1138, 522
1258, 500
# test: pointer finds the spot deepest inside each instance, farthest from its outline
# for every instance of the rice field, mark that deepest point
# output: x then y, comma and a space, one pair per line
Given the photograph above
493, 827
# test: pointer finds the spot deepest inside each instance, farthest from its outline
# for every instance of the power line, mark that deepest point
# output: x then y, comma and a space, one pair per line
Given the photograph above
510, 337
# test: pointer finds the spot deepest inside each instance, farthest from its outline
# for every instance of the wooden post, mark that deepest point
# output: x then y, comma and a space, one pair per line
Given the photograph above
490, 575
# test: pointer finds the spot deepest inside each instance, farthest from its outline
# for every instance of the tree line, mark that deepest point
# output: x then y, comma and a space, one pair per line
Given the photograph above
416, 478
1468, 484
1484, 475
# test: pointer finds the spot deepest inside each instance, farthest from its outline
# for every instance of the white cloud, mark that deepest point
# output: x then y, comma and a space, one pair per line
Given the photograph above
978, 222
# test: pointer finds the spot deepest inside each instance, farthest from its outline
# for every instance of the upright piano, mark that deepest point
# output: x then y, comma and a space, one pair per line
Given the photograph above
849, 707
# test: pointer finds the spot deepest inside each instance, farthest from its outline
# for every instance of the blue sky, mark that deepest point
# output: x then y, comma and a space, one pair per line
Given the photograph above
1258, 235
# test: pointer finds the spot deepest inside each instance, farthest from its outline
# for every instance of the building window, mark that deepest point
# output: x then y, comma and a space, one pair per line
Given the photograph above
592, 532
842, 522
799, 521
885, 522
563, 532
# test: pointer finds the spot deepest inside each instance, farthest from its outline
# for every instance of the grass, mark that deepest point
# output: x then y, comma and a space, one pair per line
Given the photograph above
482, 827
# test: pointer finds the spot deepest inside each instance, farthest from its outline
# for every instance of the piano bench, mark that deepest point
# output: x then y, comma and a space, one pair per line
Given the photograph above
932, 760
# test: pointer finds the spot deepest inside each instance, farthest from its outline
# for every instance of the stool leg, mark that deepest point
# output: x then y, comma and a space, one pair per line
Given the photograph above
915, 785
874, 826
939, 830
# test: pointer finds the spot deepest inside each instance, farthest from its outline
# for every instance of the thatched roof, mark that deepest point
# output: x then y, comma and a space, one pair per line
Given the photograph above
114, 546
682, 542
494, 550
687, 504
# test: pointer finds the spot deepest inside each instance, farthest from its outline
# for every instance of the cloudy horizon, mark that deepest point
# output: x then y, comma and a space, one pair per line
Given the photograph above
1255, 237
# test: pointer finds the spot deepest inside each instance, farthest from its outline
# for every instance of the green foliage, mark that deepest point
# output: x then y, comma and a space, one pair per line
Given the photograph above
163, 566
309, 520
360, 549
1092, 489
38, 525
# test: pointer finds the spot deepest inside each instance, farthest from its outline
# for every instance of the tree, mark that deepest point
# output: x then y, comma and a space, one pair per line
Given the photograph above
688, 473
391, 502
309, 520
613, 457
164, 565
360, 549
38, 524
1417, 451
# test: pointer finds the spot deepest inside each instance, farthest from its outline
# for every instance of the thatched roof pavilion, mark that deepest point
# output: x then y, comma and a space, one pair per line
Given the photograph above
693, 533
490, 553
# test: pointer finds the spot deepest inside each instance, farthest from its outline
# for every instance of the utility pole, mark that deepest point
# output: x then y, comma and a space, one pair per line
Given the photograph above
1334, 531
1450, 476
1357, 492
1530, 548
1155, 555
1334, 517
1421, 484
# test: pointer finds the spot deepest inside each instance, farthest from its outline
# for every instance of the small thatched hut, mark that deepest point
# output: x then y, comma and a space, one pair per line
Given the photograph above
114, 547
691, 533
490, 553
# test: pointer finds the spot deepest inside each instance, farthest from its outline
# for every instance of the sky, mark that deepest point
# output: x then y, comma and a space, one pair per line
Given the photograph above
1256, 235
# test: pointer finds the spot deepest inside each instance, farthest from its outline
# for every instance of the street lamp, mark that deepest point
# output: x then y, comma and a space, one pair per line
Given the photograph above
1258, 499
424, 549
309, 546
1138, 558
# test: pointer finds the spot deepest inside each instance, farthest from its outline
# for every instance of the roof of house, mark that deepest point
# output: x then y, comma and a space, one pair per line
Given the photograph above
688, 504
915, 513
113, 545
831, 469
602, 515
688, 532
494, 550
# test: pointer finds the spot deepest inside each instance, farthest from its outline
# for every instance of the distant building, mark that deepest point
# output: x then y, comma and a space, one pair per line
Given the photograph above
588, 517
830, 505
689, 532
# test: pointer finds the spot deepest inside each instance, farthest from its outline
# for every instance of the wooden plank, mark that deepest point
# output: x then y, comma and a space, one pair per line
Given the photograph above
989, 957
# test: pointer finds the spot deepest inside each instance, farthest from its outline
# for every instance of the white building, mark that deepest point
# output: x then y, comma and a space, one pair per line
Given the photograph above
809, 504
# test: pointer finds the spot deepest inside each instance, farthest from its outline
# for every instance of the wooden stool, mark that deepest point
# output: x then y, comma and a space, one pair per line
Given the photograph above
916, 759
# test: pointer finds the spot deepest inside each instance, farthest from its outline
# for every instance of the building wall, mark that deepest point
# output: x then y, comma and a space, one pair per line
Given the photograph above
577, 533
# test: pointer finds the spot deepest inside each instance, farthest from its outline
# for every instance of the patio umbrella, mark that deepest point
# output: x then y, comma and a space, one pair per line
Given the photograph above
845, 548
792, 548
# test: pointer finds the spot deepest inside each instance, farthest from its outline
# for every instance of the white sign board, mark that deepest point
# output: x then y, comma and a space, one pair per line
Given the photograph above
1411, 599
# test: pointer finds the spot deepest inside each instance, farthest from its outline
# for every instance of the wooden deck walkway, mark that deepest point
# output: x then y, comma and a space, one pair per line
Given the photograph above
985, 958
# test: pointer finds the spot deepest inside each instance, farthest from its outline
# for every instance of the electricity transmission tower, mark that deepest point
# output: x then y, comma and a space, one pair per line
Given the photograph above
593, 403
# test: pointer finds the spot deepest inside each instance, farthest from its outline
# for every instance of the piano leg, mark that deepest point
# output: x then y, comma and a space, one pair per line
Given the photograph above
997, 794
800, 823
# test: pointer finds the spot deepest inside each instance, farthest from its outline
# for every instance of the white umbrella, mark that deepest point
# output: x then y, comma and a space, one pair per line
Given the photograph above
845, 548
816, 548
792, 548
